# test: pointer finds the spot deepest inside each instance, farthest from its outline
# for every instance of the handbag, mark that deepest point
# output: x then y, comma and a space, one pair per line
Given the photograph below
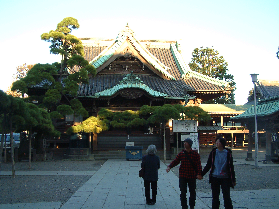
141, 173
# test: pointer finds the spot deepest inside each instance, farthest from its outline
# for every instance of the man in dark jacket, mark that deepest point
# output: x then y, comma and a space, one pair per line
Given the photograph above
189, 171
220, 163
150, 164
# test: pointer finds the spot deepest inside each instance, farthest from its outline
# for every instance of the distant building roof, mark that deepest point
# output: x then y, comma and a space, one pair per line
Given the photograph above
268, 88
268, 100
264, 108
224, 109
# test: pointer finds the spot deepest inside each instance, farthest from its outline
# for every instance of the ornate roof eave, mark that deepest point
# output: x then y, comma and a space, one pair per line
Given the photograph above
128, 82
127, 35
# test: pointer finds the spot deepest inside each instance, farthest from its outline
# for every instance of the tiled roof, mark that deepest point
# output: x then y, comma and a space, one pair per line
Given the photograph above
162, 55
109, 83
210, 128
268, 103
264, 108
268, 88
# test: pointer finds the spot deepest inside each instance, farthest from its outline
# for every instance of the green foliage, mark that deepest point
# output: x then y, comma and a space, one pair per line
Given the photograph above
39, 73
59, 81
136, 122
62, 42
105, 114
78, 108
123, 119
164, 113
152, 115
74, 129
208, 62
52, 97
90, 125
46, 126
5, 102
146, 110
71, 87
55, 115
19, 86
65, 110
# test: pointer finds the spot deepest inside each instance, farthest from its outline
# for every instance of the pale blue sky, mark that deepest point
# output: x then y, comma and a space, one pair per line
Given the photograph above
245, 32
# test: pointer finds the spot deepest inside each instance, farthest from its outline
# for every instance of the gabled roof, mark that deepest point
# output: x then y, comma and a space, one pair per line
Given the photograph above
171, 75
127, 35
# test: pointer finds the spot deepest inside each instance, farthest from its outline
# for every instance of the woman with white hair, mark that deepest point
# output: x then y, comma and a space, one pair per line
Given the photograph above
150, 164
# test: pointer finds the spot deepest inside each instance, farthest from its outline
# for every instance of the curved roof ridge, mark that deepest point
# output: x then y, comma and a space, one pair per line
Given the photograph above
183, 68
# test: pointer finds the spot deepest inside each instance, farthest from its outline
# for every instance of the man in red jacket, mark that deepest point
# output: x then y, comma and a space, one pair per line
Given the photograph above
190, 169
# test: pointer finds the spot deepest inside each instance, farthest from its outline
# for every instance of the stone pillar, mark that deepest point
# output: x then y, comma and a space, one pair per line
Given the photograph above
167, 138
250, 142
268, 146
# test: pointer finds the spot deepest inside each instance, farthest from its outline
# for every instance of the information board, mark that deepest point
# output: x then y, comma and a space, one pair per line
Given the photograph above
185, 126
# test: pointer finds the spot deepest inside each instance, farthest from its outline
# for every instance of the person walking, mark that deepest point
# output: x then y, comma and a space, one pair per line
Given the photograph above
220, 164
190, 169
150, 164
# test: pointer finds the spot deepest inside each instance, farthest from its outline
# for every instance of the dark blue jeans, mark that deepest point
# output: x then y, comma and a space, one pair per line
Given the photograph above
224, 183
183, 182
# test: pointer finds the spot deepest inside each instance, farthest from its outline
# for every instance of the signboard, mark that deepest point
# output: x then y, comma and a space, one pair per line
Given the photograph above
185, 126
194, 137
130, 144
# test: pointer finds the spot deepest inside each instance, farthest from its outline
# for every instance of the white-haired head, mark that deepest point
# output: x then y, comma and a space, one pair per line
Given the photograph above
151, 150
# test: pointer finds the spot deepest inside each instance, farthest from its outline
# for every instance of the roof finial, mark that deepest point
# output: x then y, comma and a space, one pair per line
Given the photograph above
127, 30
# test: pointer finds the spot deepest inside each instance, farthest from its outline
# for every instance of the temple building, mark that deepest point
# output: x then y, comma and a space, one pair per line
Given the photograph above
132, 73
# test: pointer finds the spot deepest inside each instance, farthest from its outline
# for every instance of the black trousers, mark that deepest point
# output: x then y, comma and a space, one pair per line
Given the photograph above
183, 182
224, 183
147, 190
